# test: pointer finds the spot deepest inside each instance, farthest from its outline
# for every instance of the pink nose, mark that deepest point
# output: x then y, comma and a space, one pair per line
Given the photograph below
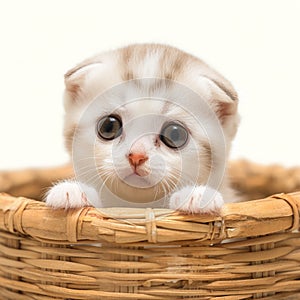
137, 159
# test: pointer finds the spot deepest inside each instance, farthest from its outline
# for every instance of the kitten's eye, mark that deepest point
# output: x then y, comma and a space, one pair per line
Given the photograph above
174, 135
109, 127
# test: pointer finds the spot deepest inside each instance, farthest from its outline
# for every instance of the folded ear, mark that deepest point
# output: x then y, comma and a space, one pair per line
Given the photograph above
75, 79
225, 109
224, 98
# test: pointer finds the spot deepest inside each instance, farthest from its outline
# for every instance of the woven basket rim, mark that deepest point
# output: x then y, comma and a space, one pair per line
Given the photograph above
250, 250
277, 213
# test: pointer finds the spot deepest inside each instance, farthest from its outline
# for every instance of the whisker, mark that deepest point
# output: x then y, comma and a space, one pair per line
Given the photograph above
104, 183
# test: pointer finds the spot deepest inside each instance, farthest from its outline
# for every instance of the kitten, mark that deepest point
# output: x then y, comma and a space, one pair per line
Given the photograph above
147, 126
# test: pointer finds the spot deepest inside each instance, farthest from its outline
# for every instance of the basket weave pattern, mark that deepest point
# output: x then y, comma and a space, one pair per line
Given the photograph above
250, 251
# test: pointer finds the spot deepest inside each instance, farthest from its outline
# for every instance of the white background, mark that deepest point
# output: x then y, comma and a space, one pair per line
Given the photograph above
255, 44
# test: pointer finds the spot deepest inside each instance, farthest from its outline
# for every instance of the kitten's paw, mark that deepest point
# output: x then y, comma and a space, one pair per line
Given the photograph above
195, 200
71, 194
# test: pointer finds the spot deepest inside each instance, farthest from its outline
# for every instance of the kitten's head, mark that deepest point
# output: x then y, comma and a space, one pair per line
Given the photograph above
144, 120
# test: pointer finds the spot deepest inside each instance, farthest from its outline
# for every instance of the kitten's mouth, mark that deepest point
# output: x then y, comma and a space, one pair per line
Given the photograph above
138, 181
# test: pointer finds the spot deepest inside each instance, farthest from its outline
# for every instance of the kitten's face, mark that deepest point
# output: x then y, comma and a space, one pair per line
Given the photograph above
140, 121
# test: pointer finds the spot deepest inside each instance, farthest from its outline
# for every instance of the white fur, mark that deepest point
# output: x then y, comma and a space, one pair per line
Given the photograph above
199, 199
102, 166
150, 67
71, 194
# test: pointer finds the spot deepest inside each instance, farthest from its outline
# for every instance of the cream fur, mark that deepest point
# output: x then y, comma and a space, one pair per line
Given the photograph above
144, 106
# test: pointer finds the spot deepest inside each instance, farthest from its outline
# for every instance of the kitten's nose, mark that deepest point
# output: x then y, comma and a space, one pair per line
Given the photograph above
137, 159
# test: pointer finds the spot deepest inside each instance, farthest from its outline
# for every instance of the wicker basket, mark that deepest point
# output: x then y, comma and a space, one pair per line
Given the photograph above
250, 251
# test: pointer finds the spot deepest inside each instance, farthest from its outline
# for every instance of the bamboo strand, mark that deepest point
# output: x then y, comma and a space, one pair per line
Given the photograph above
250, 250
246, 219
